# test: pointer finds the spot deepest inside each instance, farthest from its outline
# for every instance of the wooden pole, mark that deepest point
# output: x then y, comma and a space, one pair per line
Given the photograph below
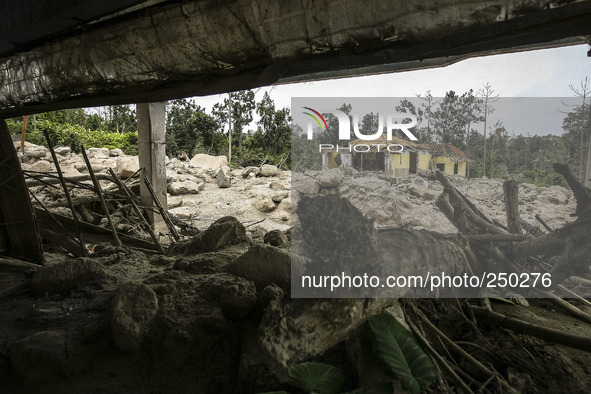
24, 133
512, 206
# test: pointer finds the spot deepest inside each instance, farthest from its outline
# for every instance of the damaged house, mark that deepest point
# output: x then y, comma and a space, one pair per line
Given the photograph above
413, 158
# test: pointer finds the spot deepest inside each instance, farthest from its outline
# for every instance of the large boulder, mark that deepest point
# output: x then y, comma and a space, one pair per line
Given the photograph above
134, 308
208, 162
263, 203
174, 201
42, 166
308, 186
62, 150
223, 232
269, 170
223, 177
98, 153
331, 178
186, 187
416, 190
279, 196
64, 276
127, 166
554, 196
35, 151
250, 171
264, 265
276, 238
116, 152
562, 190
276, 185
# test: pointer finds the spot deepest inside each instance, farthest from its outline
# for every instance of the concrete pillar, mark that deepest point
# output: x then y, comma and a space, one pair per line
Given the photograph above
151, 122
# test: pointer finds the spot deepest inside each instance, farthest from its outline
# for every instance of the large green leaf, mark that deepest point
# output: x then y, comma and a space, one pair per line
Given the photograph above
317, 377
403, 358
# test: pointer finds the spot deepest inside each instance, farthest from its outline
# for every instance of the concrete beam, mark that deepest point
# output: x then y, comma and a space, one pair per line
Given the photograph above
199, 48
151, 121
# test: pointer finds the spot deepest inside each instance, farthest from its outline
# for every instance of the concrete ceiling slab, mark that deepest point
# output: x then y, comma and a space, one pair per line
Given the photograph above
165, 50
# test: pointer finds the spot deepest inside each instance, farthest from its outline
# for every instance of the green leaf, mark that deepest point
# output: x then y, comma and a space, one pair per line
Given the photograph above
403, 358
318, 378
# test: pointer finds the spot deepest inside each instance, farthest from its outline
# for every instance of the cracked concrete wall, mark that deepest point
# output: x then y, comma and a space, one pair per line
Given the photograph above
201, 41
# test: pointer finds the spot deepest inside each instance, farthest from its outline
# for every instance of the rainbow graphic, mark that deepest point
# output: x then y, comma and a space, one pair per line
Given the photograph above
318, 115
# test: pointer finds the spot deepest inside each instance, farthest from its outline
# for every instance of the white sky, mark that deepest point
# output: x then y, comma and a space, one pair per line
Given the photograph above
541, 73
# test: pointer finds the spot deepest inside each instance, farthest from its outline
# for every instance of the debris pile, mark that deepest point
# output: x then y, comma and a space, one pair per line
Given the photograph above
209, 309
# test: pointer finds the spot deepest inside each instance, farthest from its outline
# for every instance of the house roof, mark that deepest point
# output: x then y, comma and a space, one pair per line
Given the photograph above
449, 150
413, 146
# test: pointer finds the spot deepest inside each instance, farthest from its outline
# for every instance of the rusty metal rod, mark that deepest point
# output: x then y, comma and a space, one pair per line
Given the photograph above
163, 212
127, 192
66, 191
99, 192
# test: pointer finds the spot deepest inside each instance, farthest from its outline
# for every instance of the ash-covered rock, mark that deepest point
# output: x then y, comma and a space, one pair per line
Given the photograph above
134, 307
223, 232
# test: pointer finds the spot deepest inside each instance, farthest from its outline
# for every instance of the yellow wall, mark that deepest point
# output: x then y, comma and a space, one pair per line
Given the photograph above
331, 162
449, 165
424, 160
399, 164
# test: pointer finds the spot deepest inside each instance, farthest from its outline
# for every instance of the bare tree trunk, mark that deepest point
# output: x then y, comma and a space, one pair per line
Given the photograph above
511, 206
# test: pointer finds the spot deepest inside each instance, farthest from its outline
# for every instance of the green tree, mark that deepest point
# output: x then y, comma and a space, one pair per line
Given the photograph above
498, 151
121, 119
427, 107
331, 136
408, 107
189, 129
487, 99
453, 118
273, 134
242, 105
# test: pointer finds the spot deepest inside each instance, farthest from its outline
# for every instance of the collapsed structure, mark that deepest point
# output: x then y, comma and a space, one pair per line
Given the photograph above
195, 317
407, 159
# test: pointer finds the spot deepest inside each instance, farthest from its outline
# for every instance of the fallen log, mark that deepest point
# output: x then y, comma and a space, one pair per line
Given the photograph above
463, 214
583, 199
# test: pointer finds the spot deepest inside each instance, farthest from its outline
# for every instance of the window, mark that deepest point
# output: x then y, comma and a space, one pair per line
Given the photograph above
441, 167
